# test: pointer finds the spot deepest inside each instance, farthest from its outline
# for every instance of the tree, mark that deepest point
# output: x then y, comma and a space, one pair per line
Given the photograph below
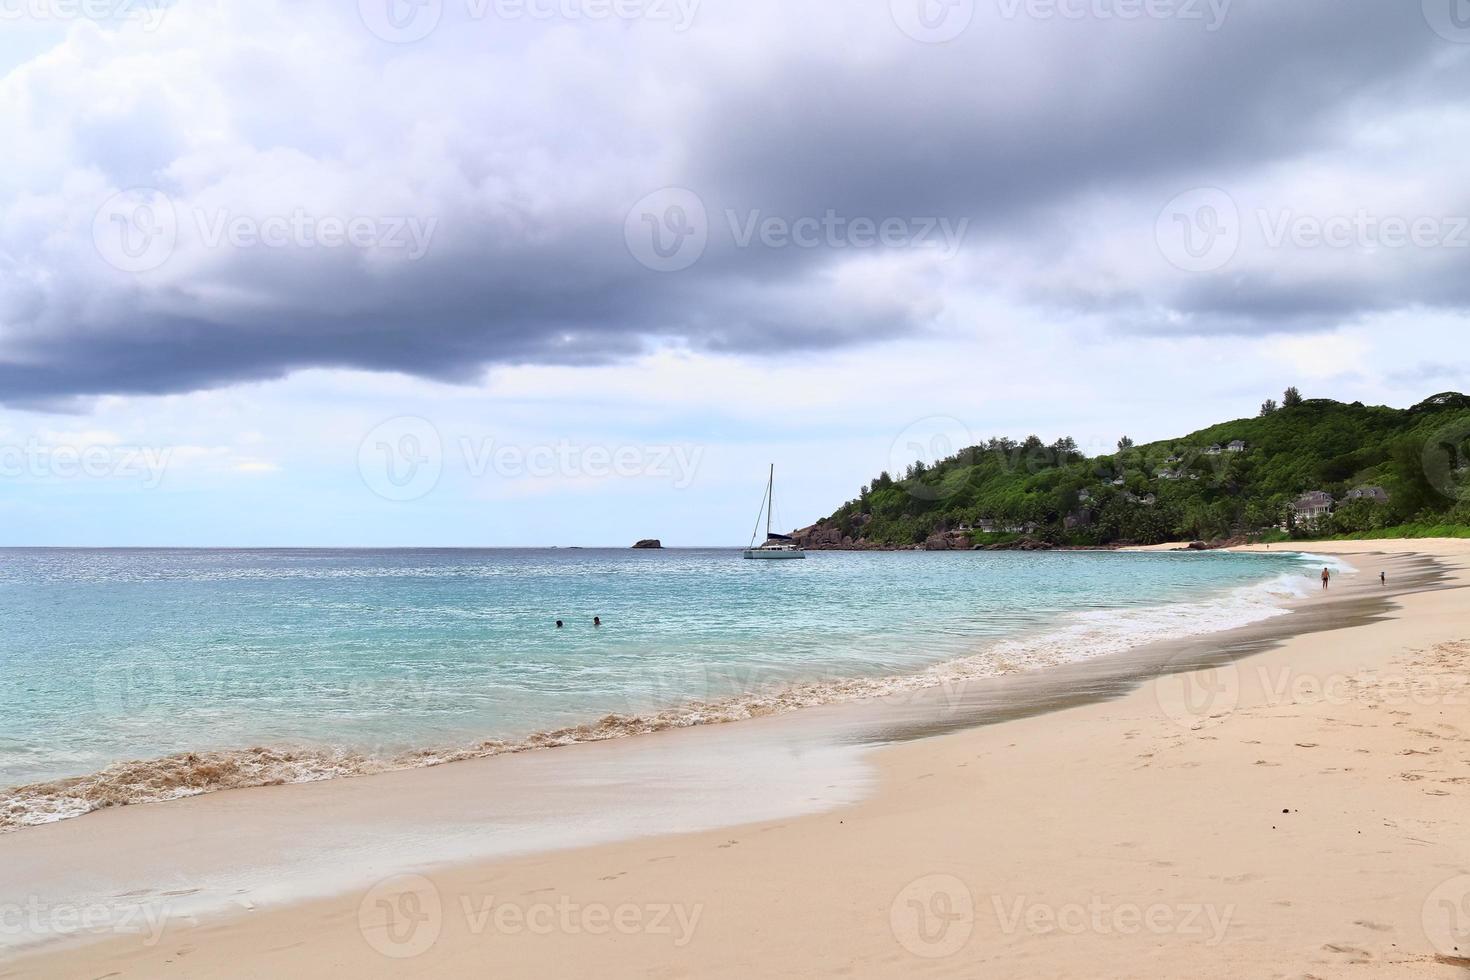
1292, 397
1268, 406
1125, 444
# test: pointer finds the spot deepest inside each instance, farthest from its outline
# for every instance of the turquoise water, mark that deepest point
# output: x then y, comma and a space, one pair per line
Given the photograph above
109, 656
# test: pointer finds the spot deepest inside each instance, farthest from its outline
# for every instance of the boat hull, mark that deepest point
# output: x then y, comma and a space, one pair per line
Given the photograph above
773, 553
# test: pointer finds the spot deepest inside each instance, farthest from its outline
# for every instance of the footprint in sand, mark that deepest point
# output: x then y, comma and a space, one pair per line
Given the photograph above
1358, 955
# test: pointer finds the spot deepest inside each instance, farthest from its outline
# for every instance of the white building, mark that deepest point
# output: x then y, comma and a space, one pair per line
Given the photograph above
1312, 506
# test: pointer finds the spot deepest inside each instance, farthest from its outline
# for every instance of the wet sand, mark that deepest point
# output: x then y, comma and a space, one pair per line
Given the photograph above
1120, 817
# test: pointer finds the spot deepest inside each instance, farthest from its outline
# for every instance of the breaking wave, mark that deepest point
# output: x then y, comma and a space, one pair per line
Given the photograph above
1080, 636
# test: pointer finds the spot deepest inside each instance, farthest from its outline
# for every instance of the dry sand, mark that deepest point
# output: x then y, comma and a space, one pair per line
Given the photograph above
1304, 812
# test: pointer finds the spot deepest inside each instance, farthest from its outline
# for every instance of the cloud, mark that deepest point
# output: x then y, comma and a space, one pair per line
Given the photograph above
315, 196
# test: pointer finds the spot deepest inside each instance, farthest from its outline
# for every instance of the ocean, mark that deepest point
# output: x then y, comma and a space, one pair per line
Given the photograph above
133, 675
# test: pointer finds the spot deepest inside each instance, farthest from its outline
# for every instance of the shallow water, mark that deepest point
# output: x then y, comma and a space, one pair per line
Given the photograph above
347, 661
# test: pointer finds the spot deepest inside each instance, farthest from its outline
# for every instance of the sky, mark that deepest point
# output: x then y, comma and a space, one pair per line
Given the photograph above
575, 272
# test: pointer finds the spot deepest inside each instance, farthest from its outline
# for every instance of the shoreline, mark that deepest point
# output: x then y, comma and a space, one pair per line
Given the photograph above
900, 730
193, 772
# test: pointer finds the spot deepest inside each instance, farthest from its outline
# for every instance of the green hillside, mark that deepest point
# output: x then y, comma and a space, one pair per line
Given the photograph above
1180, 488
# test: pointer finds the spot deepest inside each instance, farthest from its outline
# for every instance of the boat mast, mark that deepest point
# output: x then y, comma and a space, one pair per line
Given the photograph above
770, 500
765, 506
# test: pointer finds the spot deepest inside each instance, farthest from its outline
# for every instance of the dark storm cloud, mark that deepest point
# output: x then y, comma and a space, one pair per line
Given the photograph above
1004, 128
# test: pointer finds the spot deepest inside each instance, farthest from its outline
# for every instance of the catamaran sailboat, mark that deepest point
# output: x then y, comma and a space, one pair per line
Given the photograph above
777, 545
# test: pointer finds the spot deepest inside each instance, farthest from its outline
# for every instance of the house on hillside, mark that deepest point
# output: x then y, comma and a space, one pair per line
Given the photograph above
1214, 450
1236, 446
1312, 506
1168, 474
987, 525
1374, 493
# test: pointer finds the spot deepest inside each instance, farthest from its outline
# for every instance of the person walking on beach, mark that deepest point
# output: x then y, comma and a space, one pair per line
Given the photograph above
1382, 578
1326, 577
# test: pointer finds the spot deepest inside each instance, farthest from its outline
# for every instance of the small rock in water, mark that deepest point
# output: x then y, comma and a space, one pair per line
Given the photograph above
650, 543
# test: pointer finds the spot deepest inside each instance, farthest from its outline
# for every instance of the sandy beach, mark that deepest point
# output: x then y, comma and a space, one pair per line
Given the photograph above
1299, 812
